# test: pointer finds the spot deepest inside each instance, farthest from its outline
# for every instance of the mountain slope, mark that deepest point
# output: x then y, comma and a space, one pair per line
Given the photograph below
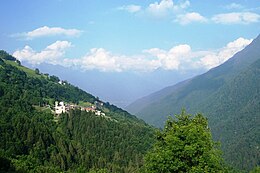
234, 113
228, 95
77, 141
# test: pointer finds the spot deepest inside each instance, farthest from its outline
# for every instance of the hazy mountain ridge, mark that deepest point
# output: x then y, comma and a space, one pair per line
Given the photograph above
208, 82
129, 86
228, 95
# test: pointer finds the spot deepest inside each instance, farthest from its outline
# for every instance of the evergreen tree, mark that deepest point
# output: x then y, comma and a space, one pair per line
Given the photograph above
33, 140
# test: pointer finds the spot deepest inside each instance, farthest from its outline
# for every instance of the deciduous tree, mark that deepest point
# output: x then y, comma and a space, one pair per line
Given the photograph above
185, 145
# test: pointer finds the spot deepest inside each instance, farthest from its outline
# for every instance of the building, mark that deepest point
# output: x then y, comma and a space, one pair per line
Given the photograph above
88, 109
98, 113
60, 107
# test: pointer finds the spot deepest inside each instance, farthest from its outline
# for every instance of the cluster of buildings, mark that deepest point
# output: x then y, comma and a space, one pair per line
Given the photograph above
61, 107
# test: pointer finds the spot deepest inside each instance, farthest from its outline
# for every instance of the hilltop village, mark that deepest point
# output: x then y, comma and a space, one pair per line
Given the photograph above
62, 107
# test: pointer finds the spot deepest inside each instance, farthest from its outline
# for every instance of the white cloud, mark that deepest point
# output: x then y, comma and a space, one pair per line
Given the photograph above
52, 54
162, 8
183, 58
48, 31
100, 59
130, 8
236, 18
103, 60
214, 59
171, 59
158, 9
234, 6
187, 18
180, 57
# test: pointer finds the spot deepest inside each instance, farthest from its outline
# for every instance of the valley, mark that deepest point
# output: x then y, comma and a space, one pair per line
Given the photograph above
154, 86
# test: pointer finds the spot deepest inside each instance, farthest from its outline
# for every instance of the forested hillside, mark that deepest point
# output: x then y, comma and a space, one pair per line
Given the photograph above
77, 141
234, 114
228, 95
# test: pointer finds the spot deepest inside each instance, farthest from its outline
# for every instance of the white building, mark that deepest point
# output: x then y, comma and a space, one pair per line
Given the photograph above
59, 108
98, 113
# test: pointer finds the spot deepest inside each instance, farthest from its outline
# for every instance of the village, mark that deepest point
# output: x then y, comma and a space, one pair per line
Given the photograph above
62, 107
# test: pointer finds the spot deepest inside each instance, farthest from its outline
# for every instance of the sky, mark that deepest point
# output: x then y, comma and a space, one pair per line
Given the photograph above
128, 36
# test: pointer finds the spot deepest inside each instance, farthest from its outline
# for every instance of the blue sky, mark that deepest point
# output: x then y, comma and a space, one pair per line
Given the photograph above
128, 35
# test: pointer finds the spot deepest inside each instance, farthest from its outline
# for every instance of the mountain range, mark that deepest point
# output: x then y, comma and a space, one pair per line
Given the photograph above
34, 139
128, 86
229, 95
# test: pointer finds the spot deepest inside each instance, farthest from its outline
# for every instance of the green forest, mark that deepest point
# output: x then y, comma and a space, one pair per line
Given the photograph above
34, 140
31, 141
228, 95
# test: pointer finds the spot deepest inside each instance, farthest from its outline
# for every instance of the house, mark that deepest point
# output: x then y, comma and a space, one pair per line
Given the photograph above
98, 104
62, 82
60, 107
89, 109
98, 113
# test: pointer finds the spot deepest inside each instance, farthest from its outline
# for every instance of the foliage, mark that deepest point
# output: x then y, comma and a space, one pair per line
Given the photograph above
6, 56
228, 96
37, 71
31, 141
185, 145
256, 170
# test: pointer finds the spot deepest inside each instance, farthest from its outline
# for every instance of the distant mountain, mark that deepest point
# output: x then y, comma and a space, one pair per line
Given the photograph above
34, 139
128, 86
229, 95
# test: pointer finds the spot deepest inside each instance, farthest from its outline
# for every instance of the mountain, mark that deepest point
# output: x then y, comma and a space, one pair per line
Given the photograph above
129, 86
34, 139
229, 95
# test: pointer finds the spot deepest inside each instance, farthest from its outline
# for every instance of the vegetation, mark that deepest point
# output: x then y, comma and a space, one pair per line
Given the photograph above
31, 141
228, 96
185, 145
256, 170
79, 141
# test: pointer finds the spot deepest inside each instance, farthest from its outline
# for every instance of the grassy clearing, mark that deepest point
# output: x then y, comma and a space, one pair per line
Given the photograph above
85, 104
28, 71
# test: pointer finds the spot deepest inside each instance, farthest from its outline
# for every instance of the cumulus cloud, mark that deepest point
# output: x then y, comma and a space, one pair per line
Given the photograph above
157, 9
213, 59
52, 54
178, 12
187, 18
130, 8
171, 59
103, 60
180, 57
48, 31
164, 7
236, 18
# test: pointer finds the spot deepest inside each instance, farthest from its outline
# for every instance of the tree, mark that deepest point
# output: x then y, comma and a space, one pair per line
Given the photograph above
46, 74
18, 62
256, 170
37, 71
6, 56
185, 145
54, 78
